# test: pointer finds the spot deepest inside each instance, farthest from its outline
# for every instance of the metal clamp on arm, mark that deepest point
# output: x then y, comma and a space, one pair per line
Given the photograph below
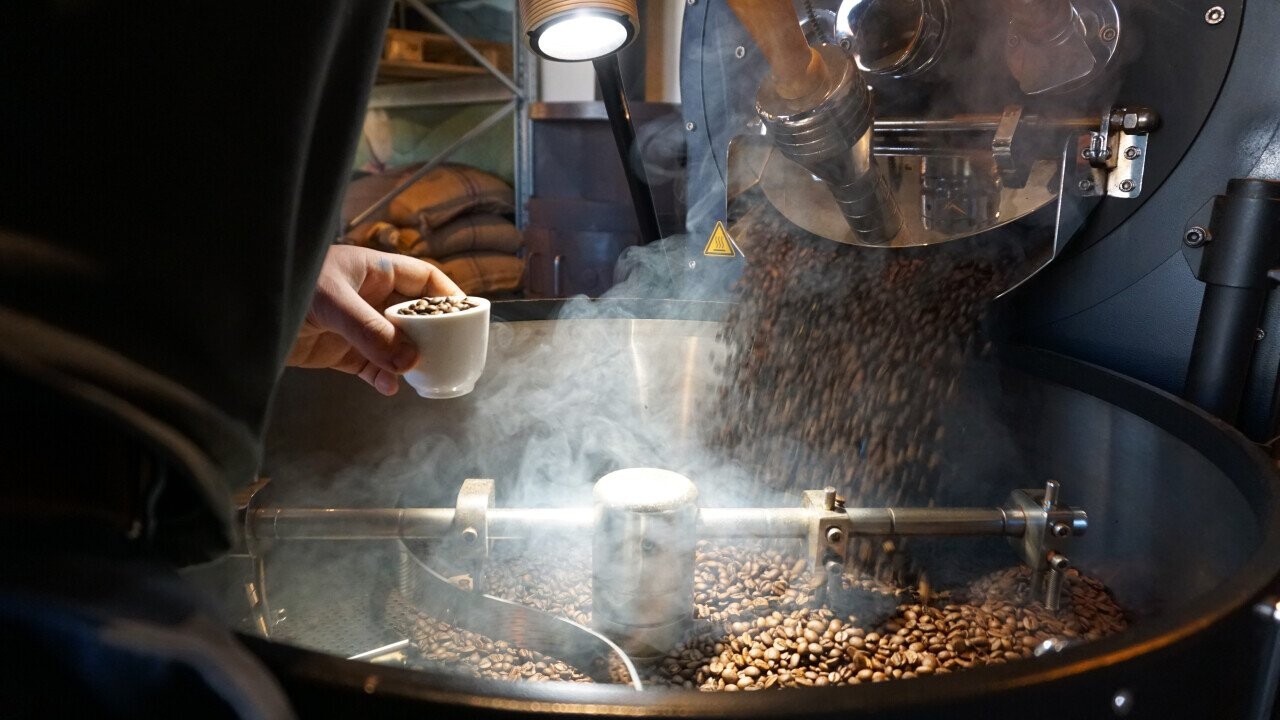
1036, 525
1048, 526
1117, 150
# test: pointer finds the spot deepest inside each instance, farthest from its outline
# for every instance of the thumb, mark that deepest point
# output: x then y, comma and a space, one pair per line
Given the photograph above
372, 335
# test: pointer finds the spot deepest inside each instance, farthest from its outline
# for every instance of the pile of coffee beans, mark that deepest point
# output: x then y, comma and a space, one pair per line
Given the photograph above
761, 621
438, 305
444, 648
796, 639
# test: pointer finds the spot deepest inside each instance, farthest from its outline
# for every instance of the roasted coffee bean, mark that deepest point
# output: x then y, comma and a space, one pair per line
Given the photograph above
734, 646
438, 305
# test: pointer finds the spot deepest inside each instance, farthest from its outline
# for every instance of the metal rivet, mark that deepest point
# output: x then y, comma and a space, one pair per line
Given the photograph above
740, 52
1122, 703
1127, 185
691, 126
1215, 15
1107, 33
1196, 237
1132, 152
1259, 334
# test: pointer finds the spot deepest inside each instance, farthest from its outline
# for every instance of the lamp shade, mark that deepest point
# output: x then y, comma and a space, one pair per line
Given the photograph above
573, 30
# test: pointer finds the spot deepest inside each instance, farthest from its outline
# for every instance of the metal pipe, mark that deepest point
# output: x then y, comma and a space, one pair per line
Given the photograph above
614, 96
1244, 245
466, 46
937, 521
976, 123
506, 523
754, 522
521, 522
404, 523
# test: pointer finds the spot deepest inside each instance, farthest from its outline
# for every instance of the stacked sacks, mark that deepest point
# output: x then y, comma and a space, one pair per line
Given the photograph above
455, 217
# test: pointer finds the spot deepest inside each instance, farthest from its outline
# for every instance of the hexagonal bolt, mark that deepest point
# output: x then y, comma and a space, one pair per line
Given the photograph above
1196, 237
1122, 703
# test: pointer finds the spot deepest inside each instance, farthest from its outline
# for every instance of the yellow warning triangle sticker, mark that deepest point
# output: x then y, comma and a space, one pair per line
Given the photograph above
718, 244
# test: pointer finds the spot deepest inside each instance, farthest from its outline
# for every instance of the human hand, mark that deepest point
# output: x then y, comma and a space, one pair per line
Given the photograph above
345, 329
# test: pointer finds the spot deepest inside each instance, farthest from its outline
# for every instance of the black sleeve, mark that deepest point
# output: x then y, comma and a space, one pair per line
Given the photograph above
170, 175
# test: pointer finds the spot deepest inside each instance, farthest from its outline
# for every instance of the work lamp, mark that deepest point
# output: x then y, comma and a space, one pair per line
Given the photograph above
595, 30
574, 30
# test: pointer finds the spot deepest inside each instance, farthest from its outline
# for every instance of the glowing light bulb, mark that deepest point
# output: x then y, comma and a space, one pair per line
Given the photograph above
582, 36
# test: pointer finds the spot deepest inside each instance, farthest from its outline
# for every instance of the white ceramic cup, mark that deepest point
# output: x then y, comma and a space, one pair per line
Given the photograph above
451, 348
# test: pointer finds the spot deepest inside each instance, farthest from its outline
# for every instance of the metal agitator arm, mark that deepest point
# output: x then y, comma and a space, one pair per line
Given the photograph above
1035, 523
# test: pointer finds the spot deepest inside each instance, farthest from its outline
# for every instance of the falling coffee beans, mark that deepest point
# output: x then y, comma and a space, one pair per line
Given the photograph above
842, 363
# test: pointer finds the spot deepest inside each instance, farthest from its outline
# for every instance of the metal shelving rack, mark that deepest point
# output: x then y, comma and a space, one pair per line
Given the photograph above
516, 92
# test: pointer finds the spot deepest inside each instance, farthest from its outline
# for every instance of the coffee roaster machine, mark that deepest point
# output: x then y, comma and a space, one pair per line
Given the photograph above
1124, 148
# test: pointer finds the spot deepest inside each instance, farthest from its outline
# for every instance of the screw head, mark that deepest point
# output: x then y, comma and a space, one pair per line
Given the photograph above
1196, 237
1061, 530
1133, 151
1259, 334
1122, 703
1086, 153
1127, 185
835, 535
740, 52
1085, 185
691, 126
1107, 33
693, 264
1013, 41
470, 535
1215, 15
